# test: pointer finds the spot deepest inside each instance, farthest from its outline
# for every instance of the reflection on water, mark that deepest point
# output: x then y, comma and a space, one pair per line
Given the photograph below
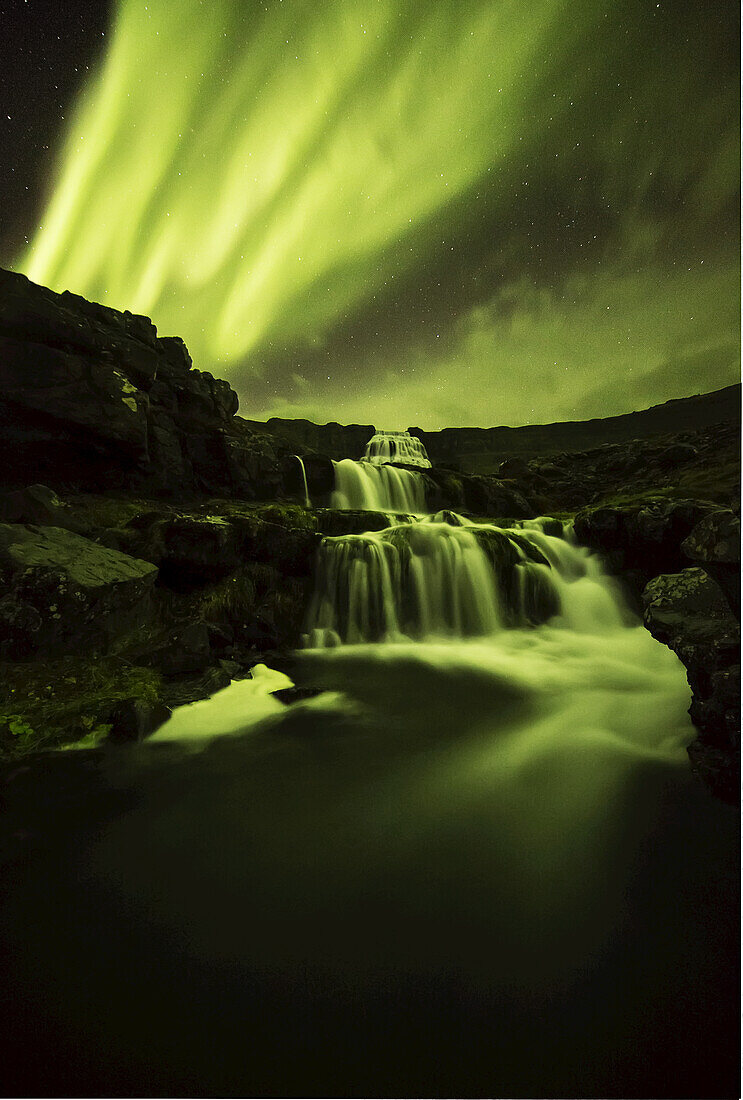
470, 866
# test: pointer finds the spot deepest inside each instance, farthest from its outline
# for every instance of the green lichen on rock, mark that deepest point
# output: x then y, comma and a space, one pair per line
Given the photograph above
68, 702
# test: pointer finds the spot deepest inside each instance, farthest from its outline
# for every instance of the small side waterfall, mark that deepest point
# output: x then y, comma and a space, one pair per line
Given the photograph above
434, 579
307, 500
370, 488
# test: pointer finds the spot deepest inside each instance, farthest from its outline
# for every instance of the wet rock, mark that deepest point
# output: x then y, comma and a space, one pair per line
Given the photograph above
134, 719
186, 650
715, 544
189, 689
320, 474
688, 612
337, 522
644, 537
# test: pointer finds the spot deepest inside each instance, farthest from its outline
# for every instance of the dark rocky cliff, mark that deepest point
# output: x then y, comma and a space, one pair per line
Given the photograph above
482, 449
93, 398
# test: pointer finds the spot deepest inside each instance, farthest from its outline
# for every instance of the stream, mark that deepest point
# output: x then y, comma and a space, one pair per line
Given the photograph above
473, 864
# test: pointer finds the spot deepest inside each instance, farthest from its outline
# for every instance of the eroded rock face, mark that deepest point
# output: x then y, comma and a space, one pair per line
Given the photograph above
93, 398
715, 544
64, 593
642, 539
688, 612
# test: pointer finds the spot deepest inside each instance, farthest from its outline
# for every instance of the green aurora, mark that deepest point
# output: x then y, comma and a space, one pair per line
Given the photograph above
442, 213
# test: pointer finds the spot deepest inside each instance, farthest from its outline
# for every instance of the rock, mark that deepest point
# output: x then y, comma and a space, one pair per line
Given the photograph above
86, 596
715, 543
96, 399
334, 521
320, 474
485, 496
93, 398
35, 504
189, 689
187, 650
514, 467
252, 463
284, 535
645, 536
191, 551
687, 611
304, 438
134, 719
677, 454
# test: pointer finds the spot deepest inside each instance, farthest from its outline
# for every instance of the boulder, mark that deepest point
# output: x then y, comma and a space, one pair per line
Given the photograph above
186, 650
35, 504
514, 467
644, 536
687, 611
190, 551
63, 593
715, 544
134, 719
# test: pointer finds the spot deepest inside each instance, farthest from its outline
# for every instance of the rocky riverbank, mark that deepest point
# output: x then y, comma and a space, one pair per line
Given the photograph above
154, 545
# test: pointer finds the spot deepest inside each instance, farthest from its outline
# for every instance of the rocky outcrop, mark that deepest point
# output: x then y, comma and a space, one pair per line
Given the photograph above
715, 544
641, 539
700, 464
485, 448
688, 612
478, 495
93, 398
304, 437
63, 593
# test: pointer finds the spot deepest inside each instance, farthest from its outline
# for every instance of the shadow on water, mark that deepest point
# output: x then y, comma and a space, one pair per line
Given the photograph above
369, 895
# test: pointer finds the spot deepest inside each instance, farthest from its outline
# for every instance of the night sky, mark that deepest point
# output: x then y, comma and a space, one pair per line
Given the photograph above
439, 212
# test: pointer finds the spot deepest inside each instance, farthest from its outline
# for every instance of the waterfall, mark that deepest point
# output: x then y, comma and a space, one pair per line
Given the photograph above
304, 480
472, 787
451, 579
370, 488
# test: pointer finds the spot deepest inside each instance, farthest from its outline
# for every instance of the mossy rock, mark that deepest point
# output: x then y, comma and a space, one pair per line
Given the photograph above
71, 702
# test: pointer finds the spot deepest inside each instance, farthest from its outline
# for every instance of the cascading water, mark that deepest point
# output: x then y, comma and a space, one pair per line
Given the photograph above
435, 579
466, 830
304, 481
370, 488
